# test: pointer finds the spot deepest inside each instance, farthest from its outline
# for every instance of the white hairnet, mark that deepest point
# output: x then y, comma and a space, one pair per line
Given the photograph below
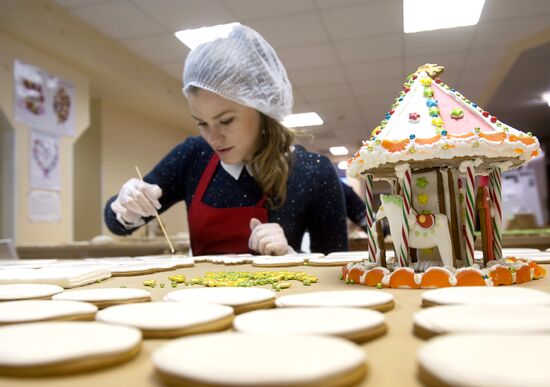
243, 68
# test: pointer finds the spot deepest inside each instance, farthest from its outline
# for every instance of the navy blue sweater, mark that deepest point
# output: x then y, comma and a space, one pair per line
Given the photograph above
314, 203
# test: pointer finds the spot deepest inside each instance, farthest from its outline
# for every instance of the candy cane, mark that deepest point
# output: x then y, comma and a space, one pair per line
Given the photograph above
495, 191
370, 218
467, 167
403, 172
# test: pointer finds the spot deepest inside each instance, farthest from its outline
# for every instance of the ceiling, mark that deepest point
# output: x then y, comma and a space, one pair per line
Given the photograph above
346, 59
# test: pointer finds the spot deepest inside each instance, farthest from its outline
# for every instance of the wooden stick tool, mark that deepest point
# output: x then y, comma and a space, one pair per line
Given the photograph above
172, 250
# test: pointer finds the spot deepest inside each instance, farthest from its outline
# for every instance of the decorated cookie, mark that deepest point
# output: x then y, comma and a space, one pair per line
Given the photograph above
371, 299
461, 360
28, 291
278, 261
334, 261
58, 348
490, 319
170, 319
14, 312
355, 324
260, 360
240, 299
66, 277
103, 297
481, 295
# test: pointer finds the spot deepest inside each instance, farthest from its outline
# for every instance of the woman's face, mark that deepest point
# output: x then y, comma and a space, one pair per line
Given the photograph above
231, 129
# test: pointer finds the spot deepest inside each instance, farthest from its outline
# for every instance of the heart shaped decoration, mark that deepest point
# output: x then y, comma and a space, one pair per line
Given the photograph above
46, 155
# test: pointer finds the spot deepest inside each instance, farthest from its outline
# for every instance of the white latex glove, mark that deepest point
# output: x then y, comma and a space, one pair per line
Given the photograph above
136, 200
268, 238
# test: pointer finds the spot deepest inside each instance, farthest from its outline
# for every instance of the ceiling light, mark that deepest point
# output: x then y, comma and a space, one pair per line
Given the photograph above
427, 15
546, 98
193, 37
302, 119
343, 165
338, 150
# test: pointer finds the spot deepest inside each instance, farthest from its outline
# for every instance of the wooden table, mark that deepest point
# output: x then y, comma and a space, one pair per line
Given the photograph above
130, 248
391, 358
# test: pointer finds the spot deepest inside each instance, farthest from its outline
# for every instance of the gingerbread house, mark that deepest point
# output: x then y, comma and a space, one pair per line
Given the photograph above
433, 146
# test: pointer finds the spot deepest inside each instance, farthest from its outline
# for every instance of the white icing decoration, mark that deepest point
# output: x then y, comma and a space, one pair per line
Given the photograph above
350, 298
223, 295
310, 320
273, 359
103, 294
486, 295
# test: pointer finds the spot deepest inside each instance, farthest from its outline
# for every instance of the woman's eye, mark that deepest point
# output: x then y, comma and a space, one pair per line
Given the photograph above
202, 124
227, 121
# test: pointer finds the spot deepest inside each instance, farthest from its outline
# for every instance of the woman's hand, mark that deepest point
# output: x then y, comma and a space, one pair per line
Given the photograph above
136, 200
267, 238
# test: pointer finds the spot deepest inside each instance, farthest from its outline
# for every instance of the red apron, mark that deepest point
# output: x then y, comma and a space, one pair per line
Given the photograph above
220, 230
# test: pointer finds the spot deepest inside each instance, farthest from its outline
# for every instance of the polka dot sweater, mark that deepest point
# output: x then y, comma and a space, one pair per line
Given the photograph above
314, 203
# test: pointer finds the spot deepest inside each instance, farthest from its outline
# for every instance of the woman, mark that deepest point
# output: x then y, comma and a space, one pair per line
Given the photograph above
245, 186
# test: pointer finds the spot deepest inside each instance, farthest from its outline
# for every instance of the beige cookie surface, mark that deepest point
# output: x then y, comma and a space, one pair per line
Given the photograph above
27, 291
462, 360
260, 360
485, 295
241, 299
489, 319
103, 297
372, 299
13, 312
357, 324
169, 319
56, 348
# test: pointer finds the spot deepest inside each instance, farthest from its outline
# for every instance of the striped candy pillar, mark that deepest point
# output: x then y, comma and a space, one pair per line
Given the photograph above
495, 191
467, 167
403, 172
370, 218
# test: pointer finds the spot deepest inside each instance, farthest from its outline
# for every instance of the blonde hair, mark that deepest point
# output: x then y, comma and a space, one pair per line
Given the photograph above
272, 160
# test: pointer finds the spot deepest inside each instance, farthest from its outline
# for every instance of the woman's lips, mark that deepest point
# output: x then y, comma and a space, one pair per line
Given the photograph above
224, 150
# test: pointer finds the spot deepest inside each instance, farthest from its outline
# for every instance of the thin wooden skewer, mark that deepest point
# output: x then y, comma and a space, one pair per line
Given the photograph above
172, 250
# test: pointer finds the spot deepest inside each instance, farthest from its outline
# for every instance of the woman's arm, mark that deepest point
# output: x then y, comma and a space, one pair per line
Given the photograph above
170, 174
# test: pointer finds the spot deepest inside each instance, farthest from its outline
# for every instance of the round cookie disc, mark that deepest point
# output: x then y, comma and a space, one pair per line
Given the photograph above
462, 360
242, 359
490, 319
485, 295
169, 319
57, 348
356, 324
28, 291
334, 261
240, 299
372, 299
103, 297
279, 261
14, 312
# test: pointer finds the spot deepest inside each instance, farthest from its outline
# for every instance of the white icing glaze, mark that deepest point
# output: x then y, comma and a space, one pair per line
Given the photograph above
329, 260
490, 319
27, 291
324, 321
65, 277
164, 315
268, 261
461, 360
32, 310
102, 294
258, 359
222, 295
482, 295
49, 342
344, 298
